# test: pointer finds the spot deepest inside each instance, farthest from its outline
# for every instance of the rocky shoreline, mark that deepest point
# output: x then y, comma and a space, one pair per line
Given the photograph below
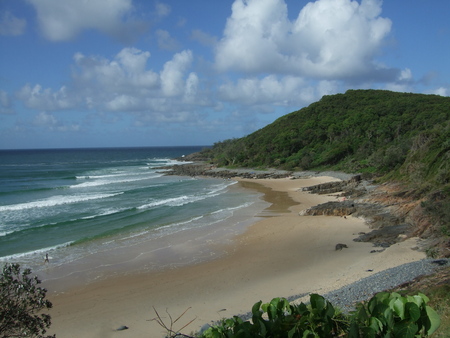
354, 196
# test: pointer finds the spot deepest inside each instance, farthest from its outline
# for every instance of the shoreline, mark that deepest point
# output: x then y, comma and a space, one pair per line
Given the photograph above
281, 255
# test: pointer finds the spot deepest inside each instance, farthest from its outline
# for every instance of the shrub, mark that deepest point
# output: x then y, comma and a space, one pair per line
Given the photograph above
21, 302
385, 315
391, 315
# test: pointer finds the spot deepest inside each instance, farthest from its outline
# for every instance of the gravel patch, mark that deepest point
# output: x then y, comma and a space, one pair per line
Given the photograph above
346, 297
364, 289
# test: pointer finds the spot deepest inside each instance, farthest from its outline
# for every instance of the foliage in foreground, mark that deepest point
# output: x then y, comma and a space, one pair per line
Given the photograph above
21, 304
385, 315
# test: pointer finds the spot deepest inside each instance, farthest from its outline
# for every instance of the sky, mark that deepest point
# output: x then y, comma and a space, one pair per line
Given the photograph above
121, 73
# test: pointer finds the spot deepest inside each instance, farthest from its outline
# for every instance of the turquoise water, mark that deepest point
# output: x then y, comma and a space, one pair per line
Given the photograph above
78, 203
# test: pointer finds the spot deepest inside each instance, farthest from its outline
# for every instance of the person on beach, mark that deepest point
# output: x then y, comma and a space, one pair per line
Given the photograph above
46, 259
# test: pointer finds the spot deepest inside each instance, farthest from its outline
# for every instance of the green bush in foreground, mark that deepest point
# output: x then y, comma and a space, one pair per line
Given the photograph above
385, 315
21, 303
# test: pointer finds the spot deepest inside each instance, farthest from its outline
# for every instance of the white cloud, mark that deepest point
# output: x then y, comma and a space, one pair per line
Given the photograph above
165, 41
442, 91
64, 20
191, 89
172, 82
10, 25
123, 83
405, 75
46, 99
279, 91
126, 73
333, 39
45, 119
162, 10
203, 38
50, 122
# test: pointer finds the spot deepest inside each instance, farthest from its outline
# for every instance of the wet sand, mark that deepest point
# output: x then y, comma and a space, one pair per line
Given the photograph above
282, 255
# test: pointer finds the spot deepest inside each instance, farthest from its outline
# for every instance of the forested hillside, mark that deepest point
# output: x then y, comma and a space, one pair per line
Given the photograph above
376, 131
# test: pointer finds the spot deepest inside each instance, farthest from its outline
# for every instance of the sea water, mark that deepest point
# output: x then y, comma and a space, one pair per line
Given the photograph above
97, 209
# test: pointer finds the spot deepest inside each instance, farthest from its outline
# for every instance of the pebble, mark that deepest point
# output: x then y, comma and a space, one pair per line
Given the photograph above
365, 288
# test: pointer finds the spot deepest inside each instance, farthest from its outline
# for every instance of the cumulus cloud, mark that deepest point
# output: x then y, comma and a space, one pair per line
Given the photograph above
121, 84
50, 122
172, 74
64, 20
281, 91
45, 99
10, 25
442, 91
333, 39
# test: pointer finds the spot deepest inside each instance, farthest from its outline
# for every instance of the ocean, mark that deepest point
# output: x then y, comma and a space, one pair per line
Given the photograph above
97, 212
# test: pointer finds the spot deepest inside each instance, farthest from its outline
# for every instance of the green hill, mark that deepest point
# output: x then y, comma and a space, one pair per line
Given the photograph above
400, 139
404, 135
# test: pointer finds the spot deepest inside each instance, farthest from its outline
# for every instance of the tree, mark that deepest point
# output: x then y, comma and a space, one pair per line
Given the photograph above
21, 304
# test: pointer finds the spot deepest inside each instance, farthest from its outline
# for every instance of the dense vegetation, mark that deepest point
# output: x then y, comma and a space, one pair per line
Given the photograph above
373, 131
392, 136
384, 315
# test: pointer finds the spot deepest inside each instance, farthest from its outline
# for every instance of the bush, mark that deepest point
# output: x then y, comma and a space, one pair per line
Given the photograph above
21, 303
385, 315
391, 315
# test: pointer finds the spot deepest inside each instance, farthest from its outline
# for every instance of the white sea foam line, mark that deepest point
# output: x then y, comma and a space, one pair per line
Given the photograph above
55, 200
4, 233
168, 201
120, 174
169, 162
105, 213
178, 201
35, 252
245, 205
181, 223
182, 200
105, 182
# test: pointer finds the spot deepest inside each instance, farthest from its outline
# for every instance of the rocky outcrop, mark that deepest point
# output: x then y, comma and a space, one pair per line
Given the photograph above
388, 224
349, 186
203, 169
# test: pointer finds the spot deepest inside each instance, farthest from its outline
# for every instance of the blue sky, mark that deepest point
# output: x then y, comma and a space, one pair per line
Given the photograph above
108, 73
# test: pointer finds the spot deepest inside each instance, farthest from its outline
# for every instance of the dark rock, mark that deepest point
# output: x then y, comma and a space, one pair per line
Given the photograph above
386, 236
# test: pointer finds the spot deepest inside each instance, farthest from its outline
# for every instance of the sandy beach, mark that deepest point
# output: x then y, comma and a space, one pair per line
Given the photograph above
282, 255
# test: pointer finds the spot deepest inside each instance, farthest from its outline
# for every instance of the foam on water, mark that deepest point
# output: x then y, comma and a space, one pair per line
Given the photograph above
117, 209
56, 200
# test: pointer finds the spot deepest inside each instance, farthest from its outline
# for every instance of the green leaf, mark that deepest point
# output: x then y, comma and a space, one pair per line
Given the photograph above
405, 329
330, 311
291, 332
376, 324
368, 332
389, 317
361, 314
434, 320
271, 311
317, 302
412, 311
353, 331
255, 309
425, 298
399, 307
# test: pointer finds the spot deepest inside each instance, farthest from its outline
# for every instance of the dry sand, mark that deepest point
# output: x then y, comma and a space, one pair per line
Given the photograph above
282, 255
